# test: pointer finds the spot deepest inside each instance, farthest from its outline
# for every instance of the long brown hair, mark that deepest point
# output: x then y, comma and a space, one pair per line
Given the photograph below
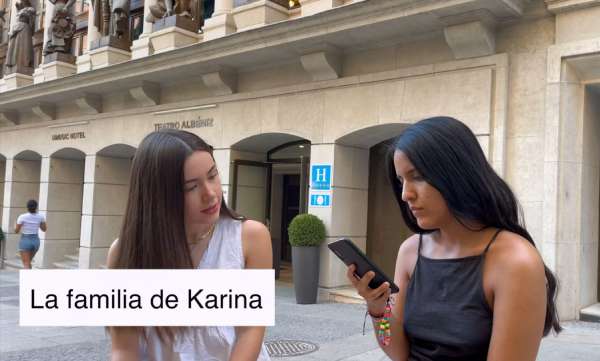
153, 234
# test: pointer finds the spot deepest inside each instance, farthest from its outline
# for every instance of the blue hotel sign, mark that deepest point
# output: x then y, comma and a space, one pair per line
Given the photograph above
320, 200
320, 177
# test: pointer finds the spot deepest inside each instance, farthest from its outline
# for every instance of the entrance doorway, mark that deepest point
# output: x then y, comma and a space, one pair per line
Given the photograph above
270, 185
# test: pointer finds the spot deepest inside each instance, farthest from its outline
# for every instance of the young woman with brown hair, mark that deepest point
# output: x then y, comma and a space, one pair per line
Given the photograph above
176, 217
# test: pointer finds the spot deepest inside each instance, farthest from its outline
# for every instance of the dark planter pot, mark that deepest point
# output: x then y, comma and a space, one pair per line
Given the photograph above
305, 261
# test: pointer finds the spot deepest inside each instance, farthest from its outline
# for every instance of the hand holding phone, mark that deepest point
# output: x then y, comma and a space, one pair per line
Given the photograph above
350, 254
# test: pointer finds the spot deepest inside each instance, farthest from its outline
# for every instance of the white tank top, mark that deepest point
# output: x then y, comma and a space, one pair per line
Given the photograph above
212, 343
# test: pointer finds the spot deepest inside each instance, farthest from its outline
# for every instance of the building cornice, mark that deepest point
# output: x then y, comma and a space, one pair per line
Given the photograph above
364, 22
561, 6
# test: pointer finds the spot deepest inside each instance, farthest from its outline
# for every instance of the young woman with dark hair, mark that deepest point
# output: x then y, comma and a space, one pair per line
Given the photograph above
176, 217
28, 224
472, 284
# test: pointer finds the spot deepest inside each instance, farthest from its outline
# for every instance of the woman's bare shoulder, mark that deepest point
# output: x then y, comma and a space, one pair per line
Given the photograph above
113, 254
512, 254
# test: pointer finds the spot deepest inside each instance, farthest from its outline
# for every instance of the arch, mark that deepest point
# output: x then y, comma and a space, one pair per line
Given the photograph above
28, 155
68, 154
370, 136
262, 143
118, 150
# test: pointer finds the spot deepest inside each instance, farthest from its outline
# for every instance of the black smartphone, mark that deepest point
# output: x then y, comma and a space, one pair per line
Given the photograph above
349, 253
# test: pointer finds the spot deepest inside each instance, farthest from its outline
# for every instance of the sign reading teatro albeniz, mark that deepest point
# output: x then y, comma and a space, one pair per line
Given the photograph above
186, 124
68, 136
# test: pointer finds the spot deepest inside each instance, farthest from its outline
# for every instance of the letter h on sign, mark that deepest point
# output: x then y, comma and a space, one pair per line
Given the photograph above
320, 177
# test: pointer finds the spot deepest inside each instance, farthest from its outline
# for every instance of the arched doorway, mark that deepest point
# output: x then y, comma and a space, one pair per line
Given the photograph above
385, 229
23, 174
590, 206
63, 202
269, 183
105, 194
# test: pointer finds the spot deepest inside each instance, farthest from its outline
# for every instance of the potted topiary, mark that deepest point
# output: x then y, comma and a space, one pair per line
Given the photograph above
306, 233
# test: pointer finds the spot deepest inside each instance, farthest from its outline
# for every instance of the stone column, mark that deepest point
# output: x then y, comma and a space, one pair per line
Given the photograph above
2, 175
61, 188
93, 34
310, 7
221, 22
223, 161
346, 215
22, 182
105, 192
142, 47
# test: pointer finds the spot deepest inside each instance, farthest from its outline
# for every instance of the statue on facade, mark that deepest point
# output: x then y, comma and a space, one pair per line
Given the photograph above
189, 9
111, 17
2, 21
61, 29
19, 56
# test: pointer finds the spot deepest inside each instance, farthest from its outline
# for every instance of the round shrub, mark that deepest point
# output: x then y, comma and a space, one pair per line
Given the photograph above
1, 235
306, 230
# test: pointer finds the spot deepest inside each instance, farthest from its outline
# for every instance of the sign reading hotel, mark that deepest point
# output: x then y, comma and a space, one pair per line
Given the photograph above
68, 136
320, 185
186, 124
320, 177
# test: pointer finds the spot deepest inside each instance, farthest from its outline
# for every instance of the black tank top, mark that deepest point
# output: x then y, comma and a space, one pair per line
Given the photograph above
446, 314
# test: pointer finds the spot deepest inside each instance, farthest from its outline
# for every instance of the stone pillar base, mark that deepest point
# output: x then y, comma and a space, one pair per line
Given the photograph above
172, 33
310, 7
92, 258
218, 26
56, 65
107, 56
84, 63
141, 47
257, 14
17, 80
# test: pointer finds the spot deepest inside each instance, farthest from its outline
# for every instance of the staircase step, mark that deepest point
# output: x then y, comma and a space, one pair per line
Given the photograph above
591, 313
13, 263
67, 265
73, 257
345, 295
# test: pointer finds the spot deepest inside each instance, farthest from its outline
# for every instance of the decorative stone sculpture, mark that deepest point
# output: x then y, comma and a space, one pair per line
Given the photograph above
188, 9
61, 29
111, 17
19, 56
119, 19
2, 21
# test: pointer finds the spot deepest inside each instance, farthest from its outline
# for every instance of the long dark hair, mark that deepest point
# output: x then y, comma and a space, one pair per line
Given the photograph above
153, 234
448, 156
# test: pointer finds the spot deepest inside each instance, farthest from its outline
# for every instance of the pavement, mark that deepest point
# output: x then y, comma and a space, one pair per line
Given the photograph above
335, 328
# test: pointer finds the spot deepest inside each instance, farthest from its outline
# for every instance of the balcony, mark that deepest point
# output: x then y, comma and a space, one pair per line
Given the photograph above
315, 35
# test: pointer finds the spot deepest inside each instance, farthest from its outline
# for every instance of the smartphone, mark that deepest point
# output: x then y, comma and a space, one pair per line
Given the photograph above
349, 253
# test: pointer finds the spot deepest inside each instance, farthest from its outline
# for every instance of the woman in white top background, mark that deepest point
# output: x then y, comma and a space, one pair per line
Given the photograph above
28, 224
176, 218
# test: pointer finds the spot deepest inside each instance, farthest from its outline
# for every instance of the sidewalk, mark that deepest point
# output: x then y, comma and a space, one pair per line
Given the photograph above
335, 328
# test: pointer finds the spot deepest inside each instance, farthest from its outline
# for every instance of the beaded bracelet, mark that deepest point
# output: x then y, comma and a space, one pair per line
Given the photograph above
383, 328
384, 331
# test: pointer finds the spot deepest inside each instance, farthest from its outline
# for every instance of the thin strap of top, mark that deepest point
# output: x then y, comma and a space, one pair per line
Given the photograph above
492, 241
484, 251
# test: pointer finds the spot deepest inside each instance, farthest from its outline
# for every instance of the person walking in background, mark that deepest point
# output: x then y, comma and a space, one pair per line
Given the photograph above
472, 284
28, 224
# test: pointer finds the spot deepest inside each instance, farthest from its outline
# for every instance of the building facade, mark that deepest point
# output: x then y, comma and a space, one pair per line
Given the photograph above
282, 89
